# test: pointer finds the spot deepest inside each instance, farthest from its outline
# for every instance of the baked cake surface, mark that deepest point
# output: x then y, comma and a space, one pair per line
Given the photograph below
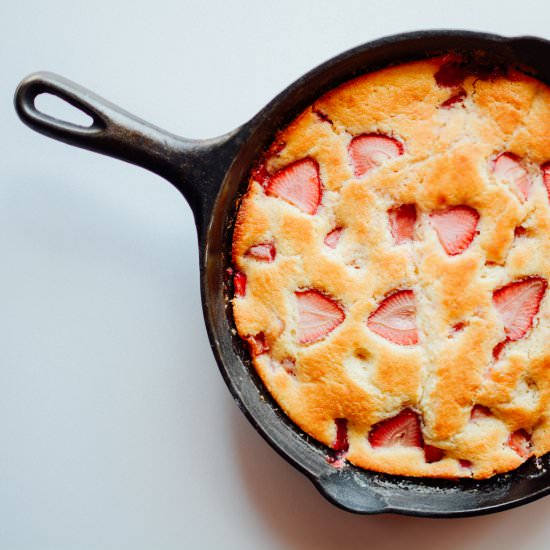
391, 259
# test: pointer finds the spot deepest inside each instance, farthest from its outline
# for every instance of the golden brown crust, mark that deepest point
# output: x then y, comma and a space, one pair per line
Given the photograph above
355, 374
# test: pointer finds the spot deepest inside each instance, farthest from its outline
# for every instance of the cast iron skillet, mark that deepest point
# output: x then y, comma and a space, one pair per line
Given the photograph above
211, 174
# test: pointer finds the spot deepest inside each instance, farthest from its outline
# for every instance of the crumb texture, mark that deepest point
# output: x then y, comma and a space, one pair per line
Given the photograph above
391, 259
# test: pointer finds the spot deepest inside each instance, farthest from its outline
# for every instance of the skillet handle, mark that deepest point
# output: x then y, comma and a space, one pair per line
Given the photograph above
113, 132
117, 133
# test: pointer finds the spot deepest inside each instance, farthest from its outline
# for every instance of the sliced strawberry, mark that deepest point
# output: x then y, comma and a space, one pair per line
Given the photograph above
263, 252
546, 176
260, 174
402, 222
336, 460
318, 315
368, 151
332, 238
507, 166
298, 184
341, 442
258, 344
395, 318
401, 430
454, 99
465, 463
520, 442
455, 228
432, 454
517, 304
520, 231
479, 411
239, 283
459, 326
499, 349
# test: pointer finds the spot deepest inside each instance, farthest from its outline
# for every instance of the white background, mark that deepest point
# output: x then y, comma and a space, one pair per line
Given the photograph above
116, 429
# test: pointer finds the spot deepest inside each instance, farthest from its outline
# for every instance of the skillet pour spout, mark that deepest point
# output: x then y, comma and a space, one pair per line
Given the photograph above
211, 174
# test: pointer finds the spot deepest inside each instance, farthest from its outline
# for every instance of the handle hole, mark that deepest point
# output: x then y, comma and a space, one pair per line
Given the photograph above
51, 105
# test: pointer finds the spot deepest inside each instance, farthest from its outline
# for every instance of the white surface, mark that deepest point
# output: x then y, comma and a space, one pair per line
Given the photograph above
117, 431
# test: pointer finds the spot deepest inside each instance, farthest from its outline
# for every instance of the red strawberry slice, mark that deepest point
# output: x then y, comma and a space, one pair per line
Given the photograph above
239, 283
258, 344
401, 430
341, 443
332, 238
546, 176
263, 252
465, 463
499, 349
520, 232
517, 304
479, 411
317, 315
455, 228
507, 166
368, 151
260, 174
432, 454
402, 222
395, 318
454, 99
298, 184
460, 326
520, 442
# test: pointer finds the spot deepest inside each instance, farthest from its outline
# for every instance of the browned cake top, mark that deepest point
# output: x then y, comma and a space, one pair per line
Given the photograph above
391, 260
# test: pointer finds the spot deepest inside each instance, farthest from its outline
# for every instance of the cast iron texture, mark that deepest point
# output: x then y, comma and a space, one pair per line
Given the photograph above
211, 174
